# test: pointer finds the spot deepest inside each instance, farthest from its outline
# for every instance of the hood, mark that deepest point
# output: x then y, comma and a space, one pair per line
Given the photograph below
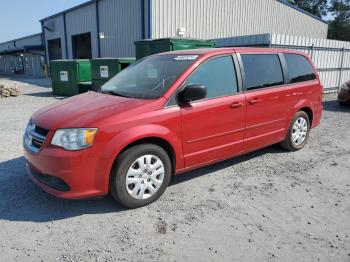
84, 110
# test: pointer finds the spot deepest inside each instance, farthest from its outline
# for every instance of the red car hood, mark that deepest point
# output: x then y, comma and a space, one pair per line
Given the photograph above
84, 110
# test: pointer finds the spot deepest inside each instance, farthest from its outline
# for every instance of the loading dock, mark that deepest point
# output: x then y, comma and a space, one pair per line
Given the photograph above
54, 49
81, 46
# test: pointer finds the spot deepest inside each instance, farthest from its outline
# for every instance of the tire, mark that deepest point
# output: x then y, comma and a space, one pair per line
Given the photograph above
291, 144
131, 166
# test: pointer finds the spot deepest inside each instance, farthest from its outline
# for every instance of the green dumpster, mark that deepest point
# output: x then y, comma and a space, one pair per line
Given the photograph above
70, 77
153, 46
104, 69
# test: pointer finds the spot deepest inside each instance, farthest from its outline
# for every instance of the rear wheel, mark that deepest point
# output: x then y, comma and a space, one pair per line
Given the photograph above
298, 132
140, 175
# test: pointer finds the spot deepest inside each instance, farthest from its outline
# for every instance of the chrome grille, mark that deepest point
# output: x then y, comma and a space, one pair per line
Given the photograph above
41, 131
35, 137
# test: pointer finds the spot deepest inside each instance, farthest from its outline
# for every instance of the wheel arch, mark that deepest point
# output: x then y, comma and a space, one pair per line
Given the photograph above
309, 113
305, 106
171, 142
161, 142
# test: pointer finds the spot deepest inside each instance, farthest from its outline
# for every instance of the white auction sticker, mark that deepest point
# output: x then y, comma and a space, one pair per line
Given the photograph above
104, 71
186, 57
64, 76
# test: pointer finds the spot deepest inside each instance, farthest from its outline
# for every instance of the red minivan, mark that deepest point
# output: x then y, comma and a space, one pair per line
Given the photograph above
170, 113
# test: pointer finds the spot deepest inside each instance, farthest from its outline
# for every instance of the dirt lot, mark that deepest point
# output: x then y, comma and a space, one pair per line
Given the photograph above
269, 205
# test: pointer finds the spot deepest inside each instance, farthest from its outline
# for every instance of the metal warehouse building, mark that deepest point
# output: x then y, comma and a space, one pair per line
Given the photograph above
109, 28
23, 55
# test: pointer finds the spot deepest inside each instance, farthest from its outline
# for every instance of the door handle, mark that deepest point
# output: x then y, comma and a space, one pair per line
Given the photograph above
236, 105
254, 101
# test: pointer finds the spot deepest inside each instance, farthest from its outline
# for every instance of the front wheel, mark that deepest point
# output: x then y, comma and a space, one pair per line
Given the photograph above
298, 132
140, 176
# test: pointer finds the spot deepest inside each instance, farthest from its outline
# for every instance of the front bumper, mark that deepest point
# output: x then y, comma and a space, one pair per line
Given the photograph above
67, 174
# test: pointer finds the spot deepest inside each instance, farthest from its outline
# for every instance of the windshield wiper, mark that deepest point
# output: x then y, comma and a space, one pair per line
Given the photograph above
111, 92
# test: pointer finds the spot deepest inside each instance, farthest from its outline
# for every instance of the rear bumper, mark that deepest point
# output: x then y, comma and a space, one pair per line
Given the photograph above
64, 174
317, 115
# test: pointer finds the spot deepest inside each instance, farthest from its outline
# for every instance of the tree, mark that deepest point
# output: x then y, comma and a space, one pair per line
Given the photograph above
316, 7
339, 10
339, 28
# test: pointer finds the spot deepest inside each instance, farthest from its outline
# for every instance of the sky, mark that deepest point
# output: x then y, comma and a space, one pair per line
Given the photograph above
20, 18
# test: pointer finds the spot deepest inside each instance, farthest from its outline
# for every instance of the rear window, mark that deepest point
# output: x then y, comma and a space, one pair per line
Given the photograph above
299, 68
262, 70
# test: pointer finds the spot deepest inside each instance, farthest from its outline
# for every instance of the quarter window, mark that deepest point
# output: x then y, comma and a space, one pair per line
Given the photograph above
218, 75
261, 70
299, 69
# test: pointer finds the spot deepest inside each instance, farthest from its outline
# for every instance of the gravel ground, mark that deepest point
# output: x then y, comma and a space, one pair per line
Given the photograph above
269, 205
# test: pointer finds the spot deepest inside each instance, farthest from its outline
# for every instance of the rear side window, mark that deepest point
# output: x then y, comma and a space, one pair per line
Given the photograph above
262, 70
299, 68
217, 75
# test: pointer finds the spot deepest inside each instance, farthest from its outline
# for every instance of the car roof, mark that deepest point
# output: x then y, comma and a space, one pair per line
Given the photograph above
225, 50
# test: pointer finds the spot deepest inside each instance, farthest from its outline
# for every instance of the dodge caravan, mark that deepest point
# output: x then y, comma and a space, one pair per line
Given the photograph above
170, 113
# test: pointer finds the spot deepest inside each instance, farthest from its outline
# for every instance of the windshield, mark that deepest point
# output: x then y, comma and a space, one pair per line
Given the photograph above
148, 78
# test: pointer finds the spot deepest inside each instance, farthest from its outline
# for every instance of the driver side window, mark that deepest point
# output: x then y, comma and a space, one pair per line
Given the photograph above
218, 75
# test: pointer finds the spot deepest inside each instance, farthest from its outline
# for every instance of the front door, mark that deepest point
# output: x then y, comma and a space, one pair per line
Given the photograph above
213, 128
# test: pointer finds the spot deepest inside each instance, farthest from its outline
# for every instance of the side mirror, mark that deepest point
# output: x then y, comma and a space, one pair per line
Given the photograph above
192, 93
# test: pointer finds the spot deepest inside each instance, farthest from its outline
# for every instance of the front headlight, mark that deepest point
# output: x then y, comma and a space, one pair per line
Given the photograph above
74, 139
27, 139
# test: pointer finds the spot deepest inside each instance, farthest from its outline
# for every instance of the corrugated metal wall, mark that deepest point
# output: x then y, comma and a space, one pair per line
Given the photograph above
30, 40
224, 18
21, 42
331, 57
2, 63
57, 32
7, 45
246, 40
33, 65
121, 23
79, 21
8, 66
31, 61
